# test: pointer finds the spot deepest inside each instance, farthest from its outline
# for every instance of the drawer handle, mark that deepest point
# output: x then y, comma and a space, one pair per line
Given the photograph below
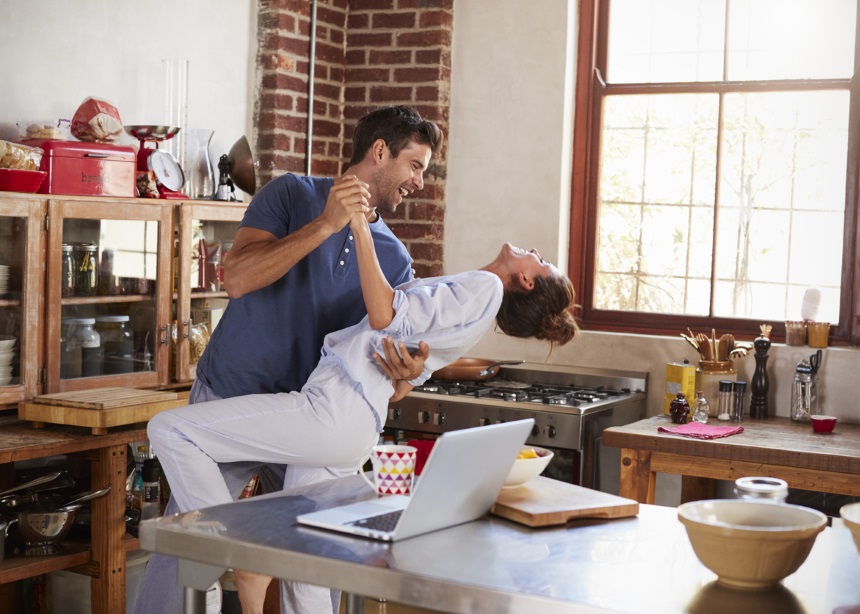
95, 155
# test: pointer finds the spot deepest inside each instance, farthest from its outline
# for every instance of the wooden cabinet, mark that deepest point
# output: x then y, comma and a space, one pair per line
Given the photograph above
149, 273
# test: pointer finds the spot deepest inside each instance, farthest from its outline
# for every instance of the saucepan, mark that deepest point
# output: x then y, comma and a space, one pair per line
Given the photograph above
472, 369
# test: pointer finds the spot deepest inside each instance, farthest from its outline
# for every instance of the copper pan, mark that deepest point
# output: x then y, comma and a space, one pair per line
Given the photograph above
472, 369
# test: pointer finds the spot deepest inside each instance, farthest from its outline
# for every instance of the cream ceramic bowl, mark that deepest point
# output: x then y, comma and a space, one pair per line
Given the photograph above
750, 544
7, 342
851, 517
525, 469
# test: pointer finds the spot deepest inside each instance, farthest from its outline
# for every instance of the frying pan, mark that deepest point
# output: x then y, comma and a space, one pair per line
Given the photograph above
471, 369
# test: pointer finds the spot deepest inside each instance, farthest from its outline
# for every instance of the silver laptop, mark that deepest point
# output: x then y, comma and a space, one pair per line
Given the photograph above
460, 482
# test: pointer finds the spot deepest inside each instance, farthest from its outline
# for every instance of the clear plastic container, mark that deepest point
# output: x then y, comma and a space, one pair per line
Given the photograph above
117, 342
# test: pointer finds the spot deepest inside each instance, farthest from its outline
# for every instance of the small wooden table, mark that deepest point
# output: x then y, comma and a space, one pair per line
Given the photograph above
775, 447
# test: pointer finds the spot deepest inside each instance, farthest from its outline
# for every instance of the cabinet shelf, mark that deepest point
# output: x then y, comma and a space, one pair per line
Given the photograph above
110, 300
14, 568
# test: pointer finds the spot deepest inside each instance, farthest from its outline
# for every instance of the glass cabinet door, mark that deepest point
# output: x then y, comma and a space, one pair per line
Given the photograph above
204, 238
22, 247
108, 293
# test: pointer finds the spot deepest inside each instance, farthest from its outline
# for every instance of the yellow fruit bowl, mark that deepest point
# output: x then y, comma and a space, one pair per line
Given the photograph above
528, 466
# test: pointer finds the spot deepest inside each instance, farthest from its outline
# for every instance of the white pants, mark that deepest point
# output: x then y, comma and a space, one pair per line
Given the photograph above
206, 449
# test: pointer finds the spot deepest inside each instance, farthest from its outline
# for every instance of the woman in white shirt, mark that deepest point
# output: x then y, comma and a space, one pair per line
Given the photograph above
335, 419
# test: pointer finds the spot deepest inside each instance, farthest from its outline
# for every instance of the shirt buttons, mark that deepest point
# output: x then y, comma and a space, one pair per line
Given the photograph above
346, 250
341, 263
350, 237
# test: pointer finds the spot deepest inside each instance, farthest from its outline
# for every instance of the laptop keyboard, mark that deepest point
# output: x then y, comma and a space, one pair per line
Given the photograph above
383, 522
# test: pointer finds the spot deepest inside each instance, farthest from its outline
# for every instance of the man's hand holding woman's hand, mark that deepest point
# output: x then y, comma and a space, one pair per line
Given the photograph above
348, 196
398, 363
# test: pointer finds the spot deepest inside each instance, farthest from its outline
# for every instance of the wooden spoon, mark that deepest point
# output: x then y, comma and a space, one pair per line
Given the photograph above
704, 346
724, 347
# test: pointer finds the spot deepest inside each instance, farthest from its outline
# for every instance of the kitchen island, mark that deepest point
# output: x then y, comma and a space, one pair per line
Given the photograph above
774, 447
641, 564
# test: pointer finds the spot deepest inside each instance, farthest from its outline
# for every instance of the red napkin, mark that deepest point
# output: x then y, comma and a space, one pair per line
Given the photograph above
423, 447
701, 431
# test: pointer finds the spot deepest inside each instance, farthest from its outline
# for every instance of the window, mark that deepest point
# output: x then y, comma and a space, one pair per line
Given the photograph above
715, 162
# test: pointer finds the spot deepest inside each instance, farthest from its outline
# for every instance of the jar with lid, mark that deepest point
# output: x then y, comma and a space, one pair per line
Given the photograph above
804, 394
702, 411
70, 350
679, 409
709, 374
67, 279
90, 344
117, 343
86, 268
768, 489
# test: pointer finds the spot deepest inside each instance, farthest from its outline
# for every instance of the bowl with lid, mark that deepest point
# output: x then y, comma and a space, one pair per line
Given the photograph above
750, 544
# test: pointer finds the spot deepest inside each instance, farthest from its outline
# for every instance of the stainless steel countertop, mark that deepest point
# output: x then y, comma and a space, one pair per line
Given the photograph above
642, 564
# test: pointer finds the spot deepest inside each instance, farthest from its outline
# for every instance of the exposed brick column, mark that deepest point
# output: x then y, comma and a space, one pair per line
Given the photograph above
369, 53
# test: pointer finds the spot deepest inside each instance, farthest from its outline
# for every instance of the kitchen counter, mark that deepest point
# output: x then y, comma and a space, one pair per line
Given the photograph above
642, 564
775, 447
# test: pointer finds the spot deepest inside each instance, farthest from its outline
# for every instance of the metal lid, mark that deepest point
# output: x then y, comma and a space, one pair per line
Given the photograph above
761, 488
85, 247
726, 385
111, 318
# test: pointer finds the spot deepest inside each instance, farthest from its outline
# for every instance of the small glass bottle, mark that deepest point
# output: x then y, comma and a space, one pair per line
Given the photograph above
725, 400
804, 396
738, 390
702, 408
150, 505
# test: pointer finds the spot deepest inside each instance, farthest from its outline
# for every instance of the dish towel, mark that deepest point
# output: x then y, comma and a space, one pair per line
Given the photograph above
701, 431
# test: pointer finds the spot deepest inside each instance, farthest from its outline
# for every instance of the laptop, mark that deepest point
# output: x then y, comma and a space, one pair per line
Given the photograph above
460, 482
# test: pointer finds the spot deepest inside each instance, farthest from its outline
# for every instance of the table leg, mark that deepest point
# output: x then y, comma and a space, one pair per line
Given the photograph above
108, 531
697, 489
195, 601
637, 480
353, 604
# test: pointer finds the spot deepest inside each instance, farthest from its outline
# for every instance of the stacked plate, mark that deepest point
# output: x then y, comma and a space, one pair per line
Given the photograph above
4, 279
7, 355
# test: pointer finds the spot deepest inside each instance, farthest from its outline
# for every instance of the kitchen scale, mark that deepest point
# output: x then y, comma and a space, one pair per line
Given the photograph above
164, 166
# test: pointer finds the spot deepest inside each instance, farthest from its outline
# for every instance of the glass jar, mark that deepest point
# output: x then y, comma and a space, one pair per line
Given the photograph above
90, 343
86, 269
117, 343
804, 396
709, 374
70, 350
679, 409
67, 279
768, 489
738, 391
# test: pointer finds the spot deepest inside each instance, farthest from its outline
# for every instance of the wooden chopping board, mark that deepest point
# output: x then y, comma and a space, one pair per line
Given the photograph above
544, 502
98, 408
104, 398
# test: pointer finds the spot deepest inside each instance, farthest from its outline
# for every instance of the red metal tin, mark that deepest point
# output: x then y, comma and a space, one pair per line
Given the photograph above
86, 169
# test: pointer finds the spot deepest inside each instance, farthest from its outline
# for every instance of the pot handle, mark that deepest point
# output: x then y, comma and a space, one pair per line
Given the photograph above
489, 368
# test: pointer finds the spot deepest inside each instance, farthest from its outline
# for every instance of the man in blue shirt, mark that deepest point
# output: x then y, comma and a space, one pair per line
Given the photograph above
292, 278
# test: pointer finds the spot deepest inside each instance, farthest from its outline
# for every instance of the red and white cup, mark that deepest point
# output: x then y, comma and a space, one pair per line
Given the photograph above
393, 468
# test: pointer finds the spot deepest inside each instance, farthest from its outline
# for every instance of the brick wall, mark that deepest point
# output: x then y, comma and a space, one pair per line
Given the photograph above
368, 53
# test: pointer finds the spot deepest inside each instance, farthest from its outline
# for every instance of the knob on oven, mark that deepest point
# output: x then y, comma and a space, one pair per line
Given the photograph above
423, 417
394, 413
439, 418
483, 421
550, 431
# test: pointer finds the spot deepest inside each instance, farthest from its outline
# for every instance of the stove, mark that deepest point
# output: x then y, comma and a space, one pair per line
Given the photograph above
571, 406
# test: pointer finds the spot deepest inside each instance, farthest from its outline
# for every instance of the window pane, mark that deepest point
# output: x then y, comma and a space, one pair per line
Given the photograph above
782, 201
791, 39
658, 41
656, 217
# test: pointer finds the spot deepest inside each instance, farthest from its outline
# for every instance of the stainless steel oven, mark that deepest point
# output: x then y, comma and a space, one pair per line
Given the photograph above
571, 407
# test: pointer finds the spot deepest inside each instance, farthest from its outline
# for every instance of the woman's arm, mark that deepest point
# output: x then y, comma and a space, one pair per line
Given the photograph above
377, 292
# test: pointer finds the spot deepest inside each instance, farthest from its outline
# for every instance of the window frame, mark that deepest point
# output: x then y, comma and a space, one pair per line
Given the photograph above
591, 64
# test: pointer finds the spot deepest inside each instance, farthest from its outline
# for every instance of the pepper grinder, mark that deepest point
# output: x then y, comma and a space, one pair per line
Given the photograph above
760, 385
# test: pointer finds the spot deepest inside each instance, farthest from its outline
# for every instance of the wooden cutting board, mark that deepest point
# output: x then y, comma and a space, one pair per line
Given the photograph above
544, 502
104, 398
98, 408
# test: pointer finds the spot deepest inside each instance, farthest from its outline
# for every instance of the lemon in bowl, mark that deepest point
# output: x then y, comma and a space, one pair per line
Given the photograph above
530, 463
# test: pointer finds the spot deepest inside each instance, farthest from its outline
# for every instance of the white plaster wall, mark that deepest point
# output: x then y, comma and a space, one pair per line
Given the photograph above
58, 52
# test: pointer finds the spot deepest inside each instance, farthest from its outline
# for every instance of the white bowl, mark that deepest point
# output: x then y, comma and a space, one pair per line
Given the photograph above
750, 544
525, 469
851, 517
7, 342
5, 379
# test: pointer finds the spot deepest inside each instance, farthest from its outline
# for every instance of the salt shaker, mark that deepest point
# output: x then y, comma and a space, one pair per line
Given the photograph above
702, 408
726, 400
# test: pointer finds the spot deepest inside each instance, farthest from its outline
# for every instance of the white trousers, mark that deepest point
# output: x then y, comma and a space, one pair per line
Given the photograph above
207, 449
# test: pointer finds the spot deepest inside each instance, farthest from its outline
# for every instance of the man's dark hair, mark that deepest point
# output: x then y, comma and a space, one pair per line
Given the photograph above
397, 126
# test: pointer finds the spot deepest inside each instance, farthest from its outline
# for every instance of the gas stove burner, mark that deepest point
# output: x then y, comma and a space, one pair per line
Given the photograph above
508, 384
